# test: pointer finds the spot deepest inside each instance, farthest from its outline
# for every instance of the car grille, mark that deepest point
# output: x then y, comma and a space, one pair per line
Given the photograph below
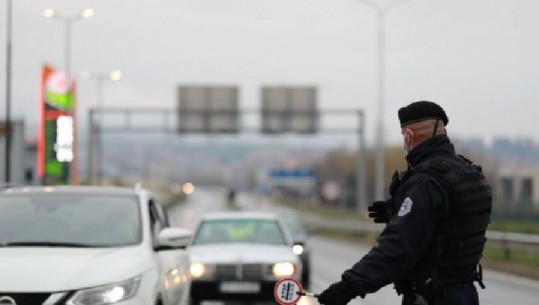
238, 271
17, 298
23, 298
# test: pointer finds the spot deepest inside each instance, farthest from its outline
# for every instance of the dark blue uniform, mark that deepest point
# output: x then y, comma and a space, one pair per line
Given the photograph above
407, 248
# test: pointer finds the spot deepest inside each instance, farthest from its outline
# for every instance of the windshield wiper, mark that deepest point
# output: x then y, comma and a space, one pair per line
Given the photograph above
45, 244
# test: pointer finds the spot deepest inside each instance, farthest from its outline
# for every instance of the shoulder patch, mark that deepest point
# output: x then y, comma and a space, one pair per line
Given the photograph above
406, 207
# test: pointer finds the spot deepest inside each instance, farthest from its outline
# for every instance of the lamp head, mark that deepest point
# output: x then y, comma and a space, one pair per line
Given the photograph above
116, 75
49, 12
87, 13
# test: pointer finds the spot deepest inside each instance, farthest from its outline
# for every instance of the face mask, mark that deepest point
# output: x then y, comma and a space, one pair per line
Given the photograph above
406, 150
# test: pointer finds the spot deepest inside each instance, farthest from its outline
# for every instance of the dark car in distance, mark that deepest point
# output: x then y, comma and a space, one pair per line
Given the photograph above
299, 236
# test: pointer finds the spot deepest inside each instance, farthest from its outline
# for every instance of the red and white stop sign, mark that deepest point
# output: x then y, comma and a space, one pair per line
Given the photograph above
287, 291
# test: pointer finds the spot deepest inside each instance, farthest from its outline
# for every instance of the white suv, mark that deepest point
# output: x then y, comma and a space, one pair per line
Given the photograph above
90, 246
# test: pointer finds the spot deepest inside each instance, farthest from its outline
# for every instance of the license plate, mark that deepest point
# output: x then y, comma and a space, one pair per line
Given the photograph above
239, 287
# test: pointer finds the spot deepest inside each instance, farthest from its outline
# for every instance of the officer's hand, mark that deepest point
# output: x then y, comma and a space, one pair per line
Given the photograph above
381, 211
339, 293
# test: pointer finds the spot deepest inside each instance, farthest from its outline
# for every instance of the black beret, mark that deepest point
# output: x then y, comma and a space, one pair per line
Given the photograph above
420, 111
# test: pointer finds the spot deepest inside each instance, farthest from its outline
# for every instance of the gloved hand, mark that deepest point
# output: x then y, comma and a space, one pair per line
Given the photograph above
339, 293
382, 211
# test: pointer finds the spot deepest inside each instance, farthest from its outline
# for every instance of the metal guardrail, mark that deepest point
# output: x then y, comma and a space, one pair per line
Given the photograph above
513, 237
508, 241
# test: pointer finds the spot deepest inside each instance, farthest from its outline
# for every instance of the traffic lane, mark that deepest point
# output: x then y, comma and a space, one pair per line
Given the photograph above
331, 257
207, 200
503, 288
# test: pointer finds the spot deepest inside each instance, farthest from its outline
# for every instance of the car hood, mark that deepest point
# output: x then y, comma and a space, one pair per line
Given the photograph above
245, 253
59, 269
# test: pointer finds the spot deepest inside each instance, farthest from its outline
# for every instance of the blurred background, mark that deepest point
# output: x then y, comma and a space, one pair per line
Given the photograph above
294, 101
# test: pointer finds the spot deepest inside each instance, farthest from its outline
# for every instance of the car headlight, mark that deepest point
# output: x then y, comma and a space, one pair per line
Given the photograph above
283, 269
297, 249
109, 294
197, 270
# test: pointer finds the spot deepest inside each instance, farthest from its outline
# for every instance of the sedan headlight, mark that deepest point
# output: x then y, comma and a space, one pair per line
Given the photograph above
109, 294
197, 270
283, 269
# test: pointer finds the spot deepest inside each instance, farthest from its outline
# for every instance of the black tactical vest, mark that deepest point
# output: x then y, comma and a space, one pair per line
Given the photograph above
460, 236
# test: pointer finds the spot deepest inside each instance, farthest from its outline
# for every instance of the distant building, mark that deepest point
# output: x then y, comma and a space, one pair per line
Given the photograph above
516, 151
23, 160
518, 189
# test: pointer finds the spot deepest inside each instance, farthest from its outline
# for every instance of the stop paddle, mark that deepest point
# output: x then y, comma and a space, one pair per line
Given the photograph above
288, 291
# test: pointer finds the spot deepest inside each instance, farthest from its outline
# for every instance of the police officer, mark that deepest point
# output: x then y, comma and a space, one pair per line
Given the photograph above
436, 219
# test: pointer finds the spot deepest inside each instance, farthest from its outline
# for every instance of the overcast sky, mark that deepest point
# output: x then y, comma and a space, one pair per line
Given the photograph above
478, 59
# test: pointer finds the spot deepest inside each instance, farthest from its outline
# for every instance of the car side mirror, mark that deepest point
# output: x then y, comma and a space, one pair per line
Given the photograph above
173, 238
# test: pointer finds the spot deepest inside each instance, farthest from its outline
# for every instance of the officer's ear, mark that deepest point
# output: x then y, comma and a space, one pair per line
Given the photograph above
408, 137
407, 134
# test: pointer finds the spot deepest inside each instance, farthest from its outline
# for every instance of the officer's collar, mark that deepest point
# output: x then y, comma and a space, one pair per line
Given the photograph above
437, 145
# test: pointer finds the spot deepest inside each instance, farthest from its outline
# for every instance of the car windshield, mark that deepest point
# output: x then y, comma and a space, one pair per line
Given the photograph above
227, 231
79, 220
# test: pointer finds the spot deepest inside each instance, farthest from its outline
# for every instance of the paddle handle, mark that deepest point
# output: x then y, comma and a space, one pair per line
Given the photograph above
309, 294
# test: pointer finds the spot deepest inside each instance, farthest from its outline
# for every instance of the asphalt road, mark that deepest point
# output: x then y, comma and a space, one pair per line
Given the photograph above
331, 257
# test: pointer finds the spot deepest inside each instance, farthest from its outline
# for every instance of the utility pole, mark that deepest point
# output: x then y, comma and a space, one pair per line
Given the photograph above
68, 22
96, 127
381, 88
8, 93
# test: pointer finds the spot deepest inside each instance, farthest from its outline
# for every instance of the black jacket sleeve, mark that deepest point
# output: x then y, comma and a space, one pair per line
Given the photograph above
404, 240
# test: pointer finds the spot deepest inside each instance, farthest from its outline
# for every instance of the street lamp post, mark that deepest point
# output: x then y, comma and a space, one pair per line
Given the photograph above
8, 130
381, 79
68, 21
100, 79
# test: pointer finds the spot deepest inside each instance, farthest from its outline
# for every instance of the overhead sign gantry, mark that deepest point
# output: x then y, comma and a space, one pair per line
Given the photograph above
215, 110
